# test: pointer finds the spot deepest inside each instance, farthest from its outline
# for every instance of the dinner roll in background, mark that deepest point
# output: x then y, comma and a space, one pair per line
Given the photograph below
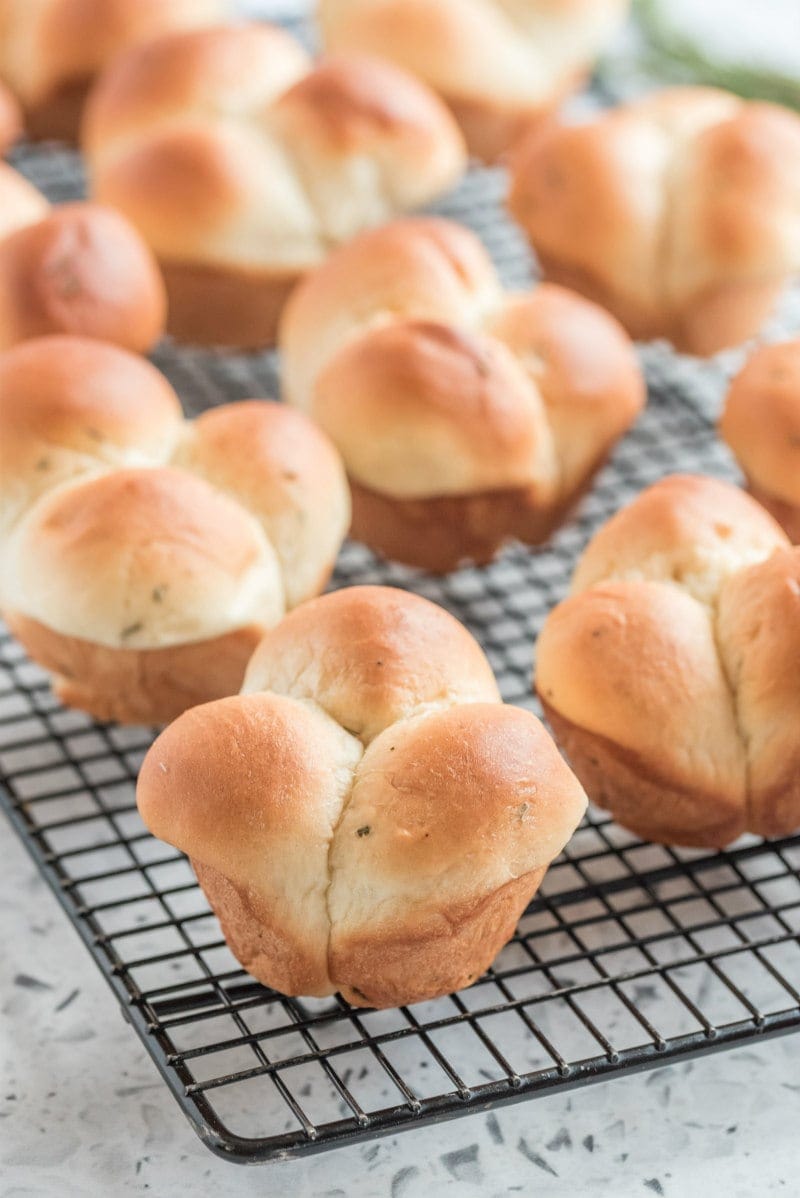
367, 817
143, 556
670, 675
500, 65
465, 415
243, 164
77, 268
10, 119
761, 424
52, 50
679, 212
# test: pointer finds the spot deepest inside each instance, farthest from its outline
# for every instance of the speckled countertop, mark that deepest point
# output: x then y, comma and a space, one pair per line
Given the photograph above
83, 1111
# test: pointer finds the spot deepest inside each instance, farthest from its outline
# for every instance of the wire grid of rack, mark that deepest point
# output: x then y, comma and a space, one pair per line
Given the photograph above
631, 955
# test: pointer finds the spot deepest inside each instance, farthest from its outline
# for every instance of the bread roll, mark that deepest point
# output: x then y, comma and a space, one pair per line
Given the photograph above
242, 164
761, 423
367, 817
143, 556
79, 268
500, 65
670, 675
52, 50
465, 415
679, 212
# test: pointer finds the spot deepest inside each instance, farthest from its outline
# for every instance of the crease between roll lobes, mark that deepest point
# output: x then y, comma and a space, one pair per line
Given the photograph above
367, 816
671, 675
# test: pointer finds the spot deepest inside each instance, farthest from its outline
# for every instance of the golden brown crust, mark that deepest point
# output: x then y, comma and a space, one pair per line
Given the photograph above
677, 212
421, 409
137, 686
57, 116
258, 938
632, 791
79, 393
70, 405
759, 637
761, 424
227, 306
414, 964
292, 766
674, 710
402, 968
725, 314
10, 119
786, 514
581, 361
354, 103
82, 270
247, 64
687, 529
425, 267
371, 656
251, 788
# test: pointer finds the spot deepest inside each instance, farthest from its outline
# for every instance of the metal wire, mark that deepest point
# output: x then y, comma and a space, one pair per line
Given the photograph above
631, 955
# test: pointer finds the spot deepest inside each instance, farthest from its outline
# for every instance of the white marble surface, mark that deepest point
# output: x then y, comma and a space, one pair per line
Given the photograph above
83, 1111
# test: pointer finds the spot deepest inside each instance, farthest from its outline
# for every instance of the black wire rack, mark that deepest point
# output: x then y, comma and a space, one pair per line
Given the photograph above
631, 955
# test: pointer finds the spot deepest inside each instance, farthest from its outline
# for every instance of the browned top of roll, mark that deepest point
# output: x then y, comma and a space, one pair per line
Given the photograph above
434, 381
370, 656
228, 146
686, 529
70, 405
142, 558
660, 199
94, 451
85, 270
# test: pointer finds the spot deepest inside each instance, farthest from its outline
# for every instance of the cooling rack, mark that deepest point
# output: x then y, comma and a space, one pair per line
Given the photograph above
631, 955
